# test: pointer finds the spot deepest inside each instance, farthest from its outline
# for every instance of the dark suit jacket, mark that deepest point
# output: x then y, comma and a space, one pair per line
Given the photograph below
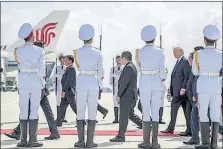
127, 83
191, 86
179, 77
68, 82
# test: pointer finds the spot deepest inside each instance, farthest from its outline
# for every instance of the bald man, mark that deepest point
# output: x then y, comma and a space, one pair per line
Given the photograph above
179, 78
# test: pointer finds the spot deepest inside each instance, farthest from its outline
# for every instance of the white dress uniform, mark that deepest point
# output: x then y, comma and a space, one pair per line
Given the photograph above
151, 65
116, 75
164, 89
89, 64
207, 64
58, 74
31, 65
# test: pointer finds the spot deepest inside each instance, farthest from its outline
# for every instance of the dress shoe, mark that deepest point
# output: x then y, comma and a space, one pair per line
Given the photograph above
167, 131
105, 114
161, 122
13, 135
52, 137
185, 134
191, 142
64, 121
59, 124
139, 127
117, 139
115, 122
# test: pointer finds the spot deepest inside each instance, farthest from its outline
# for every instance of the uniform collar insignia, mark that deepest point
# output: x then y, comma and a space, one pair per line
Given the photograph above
29, 43
210, 47
149, 44
87, 45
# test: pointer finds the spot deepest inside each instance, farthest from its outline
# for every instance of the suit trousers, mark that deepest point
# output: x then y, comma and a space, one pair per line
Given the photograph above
45, 105
187, 108
195, 123
176, 102
63, 106
126, 113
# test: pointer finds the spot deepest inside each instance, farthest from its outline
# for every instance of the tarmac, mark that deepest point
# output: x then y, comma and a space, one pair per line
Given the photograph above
105, 129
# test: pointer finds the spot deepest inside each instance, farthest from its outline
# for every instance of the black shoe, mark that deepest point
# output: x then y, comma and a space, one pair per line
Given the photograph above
139, 127
13, 135
117, 139
59, 124
185, 134
191, 142
161, 122
115, 122
167, 131
64, 121
105, 114
52, 137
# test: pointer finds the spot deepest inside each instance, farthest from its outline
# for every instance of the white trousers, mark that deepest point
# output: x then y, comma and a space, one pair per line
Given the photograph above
115, 101
33, 96
58, 93
150, 102
89, 99
162, 99
214, 102
58, 97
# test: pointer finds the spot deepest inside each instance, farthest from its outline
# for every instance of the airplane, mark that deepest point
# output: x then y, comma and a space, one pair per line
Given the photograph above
48, 31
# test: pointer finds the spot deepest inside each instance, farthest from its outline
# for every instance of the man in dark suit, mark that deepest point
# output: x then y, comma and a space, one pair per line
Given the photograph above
127, 96
68, 83
179, 78
192, 96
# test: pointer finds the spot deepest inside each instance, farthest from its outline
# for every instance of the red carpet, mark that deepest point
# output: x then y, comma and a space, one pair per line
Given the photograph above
97, 132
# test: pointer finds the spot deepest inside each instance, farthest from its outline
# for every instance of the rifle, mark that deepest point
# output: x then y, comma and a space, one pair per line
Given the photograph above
56, 78
100, 48
113, 78
160, 38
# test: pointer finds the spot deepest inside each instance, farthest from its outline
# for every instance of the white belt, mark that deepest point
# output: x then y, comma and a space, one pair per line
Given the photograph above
88, 72
29, 70
210, 74
149, 72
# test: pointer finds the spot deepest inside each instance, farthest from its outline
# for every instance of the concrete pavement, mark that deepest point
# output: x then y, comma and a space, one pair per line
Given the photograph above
10, 117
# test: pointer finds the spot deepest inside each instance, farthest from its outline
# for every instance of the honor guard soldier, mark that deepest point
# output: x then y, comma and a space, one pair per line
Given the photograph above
151, 65
162, 101
207, 64
31, 65
114, 77
90, 67
56, 78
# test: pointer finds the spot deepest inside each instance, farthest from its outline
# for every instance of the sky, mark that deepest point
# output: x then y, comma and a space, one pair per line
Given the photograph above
181, 24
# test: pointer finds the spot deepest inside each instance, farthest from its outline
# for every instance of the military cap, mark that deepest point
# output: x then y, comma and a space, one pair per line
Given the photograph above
198, 48
148, 33
25, 31
39, 44
60, 55
117, 56
86, 32
211, 32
